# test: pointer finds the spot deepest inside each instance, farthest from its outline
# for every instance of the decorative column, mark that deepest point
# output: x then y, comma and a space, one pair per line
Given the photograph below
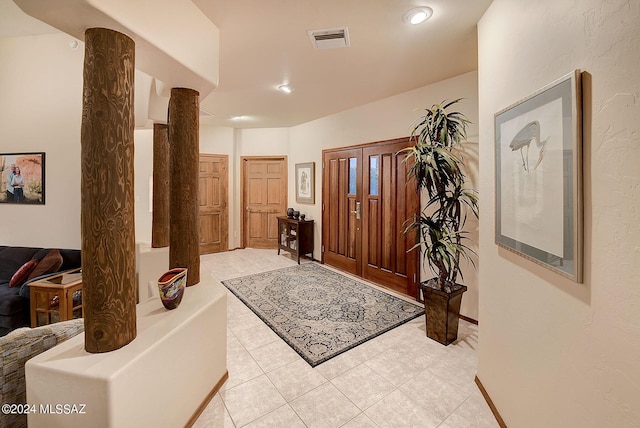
160, 221
107, 191
184, 155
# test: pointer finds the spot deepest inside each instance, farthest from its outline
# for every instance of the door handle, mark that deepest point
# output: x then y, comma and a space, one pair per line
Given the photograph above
248, 209
357, 211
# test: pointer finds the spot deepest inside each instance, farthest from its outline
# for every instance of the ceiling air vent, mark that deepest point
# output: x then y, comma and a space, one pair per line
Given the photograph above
330, 38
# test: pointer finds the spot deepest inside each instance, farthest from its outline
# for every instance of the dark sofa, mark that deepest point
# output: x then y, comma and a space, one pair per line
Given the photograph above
14, 301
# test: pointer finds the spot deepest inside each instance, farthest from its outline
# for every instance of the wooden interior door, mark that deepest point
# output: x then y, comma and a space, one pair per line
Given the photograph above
213, 199
366, 201
342, 193
264, 196
388, 201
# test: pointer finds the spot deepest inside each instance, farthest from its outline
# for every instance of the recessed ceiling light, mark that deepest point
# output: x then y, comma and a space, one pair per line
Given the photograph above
285, 88
417, 15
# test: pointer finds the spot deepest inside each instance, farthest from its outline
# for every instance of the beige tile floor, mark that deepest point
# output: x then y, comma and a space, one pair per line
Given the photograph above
399, 379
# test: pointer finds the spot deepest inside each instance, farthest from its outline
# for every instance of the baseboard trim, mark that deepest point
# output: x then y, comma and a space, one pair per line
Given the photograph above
492, 406
467, 319
207, 400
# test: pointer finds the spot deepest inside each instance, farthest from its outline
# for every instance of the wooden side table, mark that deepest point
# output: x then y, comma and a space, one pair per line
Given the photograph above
52, 299
295, 236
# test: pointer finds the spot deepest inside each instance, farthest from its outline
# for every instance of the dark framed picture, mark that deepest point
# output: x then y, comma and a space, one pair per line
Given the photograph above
539, 177
305, 182
22, 178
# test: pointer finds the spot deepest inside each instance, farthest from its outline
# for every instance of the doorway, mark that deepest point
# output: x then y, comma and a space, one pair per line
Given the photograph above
264, 198
213, 213
366, 201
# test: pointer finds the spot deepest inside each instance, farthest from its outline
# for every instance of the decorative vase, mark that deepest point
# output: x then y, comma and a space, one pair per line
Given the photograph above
171, 287
296, 214
290, 212
302, 216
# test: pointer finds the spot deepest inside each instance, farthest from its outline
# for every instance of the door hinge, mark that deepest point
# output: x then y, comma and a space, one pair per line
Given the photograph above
323, 206
322, 164
415, 278
322, 248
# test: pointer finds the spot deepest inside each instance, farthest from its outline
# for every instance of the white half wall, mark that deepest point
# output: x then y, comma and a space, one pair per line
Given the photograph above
553, 353
41, 111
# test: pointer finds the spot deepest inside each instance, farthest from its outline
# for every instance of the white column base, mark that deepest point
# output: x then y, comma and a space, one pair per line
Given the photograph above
160, 379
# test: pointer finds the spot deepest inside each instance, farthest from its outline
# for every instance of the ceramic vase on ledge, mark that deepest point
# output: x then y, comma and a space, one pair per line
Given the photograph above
171, 287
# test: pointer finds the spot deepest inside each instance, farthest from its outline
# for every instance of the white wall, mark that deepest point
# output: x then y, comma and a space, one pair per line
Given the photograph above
41, 111
143, 183
383, 120
553, 353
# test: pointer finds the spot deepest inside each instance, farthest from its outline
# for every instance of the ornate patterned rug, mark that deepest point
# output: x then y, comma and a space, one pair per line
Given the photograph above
318, 312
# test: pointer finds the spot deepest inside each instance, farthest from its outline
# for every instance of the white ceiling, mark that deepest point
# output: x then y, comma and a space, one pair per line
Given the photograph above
264, 44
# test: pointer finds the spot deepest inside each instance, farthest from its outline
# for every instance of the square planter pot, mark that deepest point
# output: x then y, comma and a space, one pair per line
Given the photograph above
442, 309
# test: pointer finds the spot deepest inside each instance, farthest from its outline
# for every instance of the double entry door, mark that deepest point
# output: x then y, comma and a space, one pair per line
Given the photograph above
367, 201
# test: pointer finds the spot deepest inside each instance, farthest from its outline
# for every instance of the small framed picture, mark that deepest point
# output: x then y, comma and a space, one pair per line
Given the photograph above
539, 177
22, 178
305, 182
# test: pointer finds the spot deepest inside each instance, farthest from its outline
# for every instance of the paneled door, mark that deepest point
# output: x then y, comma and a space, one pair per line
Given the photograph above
264, 198
213, 200
341, 203
365, 218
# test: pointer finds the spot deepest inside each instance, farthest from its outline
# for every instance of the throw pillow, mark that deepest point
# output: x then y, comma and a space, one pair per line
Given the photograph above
49, 264
22, 274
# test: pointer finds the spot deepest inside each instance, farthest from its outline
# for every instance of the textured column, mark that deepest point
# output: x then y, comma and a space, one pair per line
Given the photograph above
160, 222
107, 192
184, 149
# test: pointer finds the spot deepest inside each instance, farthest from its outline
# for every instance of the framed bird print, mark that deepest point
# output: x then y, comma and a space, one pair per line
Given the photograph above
538, 150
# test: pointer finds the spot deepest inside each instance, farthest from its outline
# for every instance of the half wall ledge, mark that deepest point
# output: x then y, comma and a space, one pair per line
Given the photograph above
163, 378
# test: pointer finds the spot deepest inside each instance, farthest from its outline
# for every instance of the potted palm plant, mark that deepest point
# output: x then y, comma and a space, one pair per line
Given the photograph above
435, 162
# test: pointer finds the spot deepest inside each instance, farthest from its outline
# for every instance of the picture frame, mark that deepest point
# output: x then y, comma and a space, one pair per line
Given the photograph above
29, 189
538, 173
305, 183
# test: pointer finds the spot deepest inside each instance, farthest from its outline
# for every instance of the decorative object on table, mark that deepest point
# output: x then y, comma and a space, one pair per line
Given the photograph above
290, 212
296, 214
321, 313
302, 217
171, 287
22, 178
539, 177
436, 164
305, 183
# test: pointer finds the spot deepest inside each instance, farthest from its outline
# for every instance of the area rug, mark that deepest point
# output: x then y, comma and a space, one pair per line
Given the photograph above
319, 312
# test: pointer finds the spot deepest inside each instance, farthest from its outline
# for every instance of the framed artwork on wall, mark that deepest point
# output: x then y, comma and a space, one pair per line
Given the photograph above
305, 183
538, 176
22, 178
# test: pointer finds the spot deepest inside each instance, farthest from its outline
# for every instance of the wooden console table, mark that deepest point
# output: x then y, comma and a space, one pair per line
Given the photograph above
295, 236
52, 299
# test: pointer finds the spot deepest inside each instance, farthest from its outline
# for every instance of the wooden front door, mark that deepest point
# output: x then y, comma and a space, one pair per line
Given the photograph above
213, 199
342, 196
264, 198
364, 220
